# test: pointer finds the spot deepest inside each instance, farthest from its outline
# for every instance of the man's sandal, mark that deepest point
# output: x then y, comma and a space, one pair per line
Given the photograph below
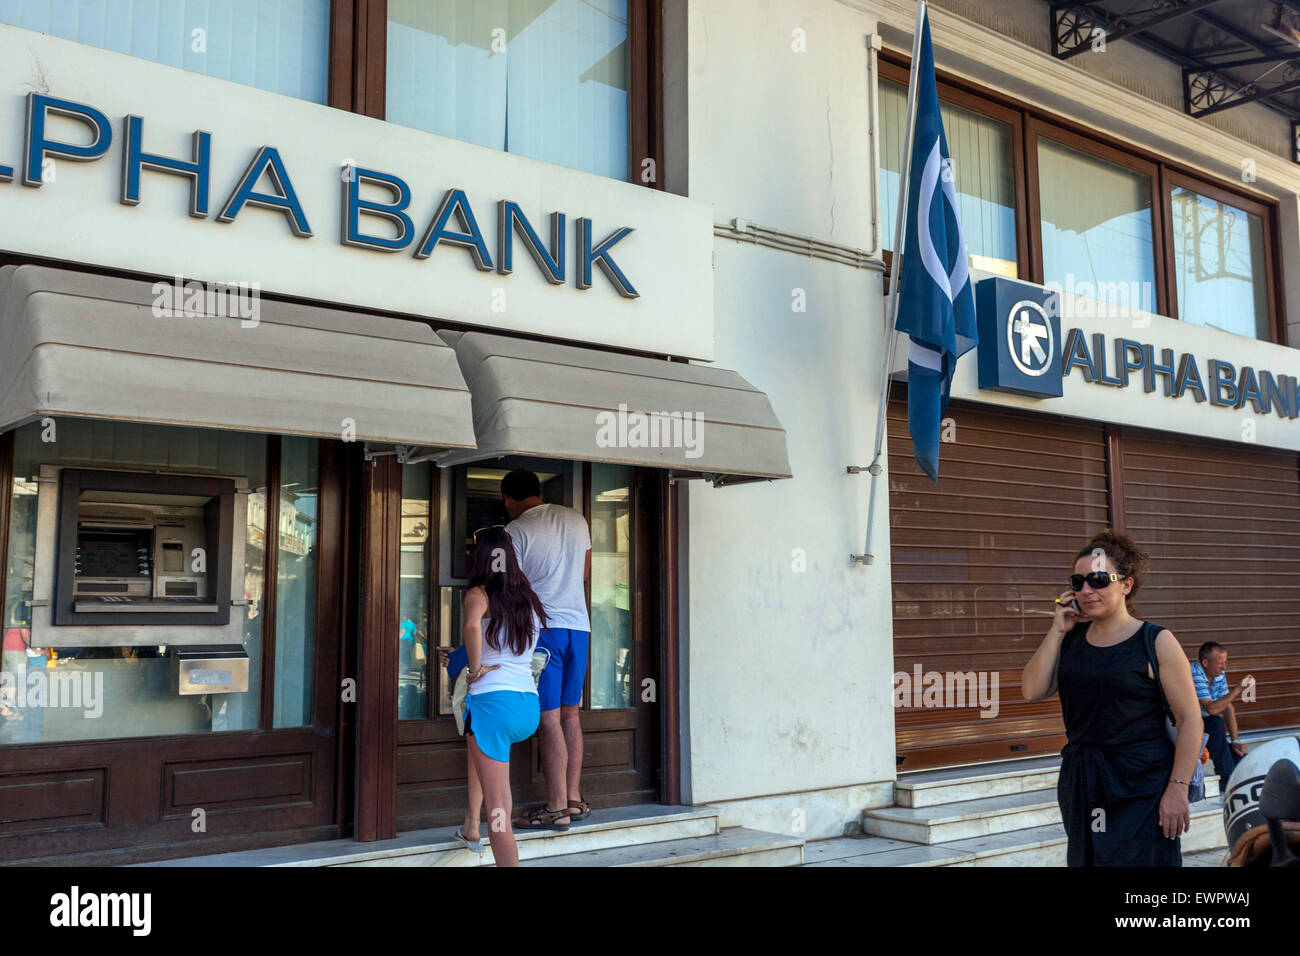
540, 818
578, 810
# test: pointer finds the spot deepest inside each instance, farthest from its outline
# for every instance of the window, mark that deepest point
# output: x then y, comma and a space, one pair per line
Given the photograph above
276, 45
1097, 223
611, 586
414, 588
547, 80
122, 691
1067, 208
1220, 261
295, 581
982, 150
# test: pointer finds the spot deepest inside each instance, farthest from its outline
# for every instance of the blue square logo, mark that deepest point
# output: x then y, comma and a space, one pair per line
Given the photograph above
1020, 337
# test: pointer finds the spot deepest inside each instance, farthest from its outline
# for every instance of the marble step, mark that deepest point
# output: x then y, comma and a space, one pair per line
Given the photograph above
879, 851
619, 827
1046, 845
967, 819
1034, 846
933, 788
734, 846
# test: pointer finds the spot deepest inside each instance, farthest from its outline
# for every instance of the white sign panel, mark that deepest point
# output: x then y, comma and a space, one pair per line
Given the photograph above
114, 161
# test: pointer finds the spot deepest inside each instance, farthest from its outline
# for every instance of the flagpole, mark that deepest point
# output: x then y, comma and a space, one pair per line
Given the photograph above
895, 275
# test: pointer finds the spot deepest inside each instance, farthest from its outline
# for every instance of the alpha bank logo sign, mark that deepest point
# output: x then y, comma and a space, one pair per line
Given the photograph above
1021, 350
1020, 338
1031, 340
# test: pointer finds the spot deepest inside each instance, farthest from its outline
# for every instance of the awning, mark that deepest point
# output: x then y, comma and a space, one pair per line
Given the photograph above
77, 344
561, 401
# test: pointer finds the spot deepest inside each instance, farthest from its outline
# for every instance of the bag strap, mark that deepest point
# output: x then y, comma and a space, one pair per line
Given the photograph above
1149, 632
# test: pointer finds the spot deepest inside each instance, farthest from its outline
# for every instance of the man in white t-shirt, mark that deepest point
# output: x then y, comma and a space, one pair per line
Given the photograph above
553, 546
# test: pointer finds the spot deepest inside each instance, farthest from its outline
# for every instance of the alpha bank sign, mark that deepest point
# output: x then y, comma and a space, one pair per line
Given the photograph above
1022, 351
267, 182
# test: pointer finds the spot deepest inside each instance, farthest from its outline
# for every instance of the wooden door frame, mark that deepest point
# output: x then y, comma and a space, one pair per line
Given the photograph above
377, 653
669, 643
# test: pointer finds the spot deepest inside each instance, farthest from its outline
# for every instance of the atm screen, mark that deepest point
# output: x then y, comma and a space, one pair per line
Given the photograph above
114, 554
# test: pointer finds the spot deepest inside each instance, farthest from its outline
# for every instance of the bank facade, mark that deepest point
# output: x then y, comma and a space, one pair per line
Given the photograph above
282, 300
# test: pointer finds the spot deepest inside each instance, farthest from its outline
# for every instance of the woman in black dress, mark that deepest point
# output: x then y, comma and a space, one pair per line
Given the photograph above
1123, 784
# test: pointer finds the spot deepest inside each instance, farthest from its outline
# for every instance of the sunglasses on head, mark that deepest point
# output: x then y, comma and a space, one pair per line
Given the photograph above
1094, 579
494, 527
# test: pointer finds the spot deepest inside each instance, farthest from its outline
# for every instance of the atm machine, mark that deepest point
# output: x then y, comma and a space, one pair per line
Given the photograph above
135, 560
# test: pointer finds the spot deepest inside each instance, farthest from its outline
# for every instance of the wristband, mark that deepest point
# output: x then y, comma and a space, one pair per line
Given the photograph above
1176, 780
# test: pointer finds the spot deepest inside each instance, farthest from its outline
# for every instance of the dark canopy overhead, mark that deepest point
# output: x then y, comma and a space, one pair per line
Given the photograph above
1232, 51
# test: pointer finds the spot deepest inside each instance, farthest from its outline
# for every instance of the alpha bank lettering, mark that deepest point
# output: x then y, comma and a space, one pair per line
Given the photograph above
453, 223
1223, 384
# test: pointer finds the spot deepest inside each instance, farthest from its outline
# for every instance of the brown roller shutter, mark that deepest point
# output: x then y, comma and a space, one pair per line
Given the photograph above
1222, 524
976, 562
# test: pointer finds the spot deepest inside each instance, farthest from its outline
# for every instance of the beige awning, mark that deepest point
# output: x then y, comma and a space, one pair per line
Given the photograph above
561, 401
77, 344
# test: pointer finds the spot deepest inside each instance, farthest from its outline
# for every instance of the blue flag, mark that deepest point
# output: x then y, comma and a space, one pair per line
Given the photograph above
936, 301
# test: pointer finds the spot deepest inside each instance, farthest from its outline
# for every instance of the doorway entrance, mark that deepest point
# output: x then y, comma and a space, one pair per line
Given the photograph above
621, 746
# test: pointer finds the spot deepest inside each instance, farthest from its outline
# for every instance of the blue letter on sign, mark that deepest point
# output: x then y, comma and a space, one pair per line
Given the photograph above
471, 239
354, 205
267, 160
600, 256
509, 219
1223, 388
38, 147
135, 159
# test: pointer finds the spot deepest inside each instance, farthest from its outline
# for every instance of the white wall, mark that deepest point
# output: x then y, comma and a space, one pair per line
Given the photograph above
779, 137
789, 670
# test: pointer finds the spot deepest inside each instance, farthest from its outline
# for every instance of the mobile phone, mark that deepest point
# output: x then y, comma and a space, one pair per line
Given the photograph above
1073, 606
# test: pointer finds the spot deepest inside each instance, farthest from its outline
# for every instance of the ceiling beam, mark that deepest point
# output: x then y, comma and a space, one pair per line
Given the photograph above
1134, 23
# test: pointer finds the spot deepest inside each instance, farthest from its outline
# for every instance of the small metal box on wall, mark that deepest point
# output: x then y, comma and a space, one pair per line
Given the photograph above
210, 669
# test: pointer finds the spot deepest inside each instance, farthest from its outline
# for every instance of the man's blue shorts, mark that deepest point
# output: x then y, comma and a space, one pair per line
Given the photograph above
561, 682
500, 718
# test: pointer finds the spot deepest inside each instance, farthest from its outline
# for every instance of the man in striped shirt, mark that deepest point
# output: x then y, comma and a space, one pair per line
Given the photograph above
1210, 675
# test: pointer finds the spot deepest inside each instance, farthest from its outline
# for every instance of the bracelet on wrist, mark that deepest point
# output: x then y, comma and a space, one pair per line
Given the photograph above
1176, 780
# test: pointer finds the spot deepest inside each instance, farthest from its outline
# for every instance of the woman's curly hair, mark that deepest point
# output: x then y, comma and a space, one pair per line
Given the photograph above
1123, 552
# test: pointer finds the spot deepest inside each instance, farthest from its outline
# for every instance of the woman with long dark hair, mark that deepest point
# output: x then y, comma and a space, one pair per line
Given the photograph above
503, 618
1123, 784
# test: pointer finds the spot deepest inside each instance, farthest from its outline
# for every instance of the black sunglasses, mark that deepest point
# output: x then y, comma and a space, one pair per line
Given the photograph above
1095, 579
